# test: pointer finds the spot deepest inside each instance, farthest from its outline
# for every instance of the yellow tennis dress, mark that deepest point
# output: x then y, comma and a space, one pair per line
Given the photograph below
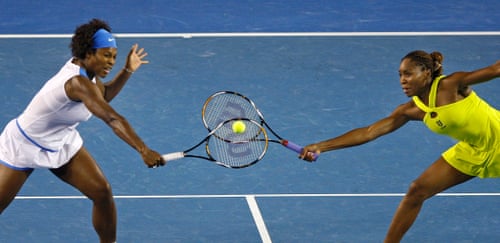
475, 124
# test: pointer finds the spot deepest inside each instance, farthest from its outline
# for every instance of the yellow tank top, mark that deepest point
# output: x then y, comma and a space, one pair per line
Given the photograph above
470, 120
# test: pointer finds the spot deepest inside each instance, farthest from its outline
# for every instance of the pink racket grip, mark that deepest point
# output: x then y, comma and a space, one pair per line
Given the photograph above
297, 148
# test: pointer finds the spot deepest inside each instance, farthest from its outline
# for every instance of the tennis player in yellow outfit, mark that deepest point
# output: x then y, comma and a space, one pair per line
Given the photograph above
448, 106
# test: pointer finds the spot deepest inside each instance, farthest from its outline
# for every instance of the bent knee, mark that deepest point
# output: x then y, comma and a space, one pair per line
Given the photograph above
418, 192
103, 192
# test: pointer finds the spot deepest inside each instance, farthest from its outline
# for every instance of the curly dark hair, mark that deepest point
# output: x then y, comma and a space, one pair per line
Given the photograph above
432, 61
81, 42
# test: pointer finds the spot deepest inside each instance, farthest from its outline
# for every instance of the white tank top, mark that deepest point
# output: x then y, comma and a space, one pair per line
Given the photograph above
51, 117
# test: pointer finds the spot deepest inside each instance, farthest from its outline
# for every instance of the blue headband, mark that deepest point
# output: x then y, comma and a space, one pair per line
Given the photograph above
103, 39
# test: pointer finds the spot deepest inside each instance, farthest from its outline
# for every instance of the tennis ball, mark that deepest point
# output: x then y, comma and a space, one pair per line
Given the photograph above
239, 127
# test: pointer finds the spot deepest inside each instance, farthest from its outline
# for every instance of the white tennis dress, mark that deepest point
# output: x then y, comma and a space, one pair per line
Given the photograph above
45, 135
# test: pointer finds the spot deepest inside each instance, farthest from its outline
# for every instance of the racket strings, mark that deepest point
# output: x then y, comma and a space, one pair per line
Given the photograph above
225, 106
238, 150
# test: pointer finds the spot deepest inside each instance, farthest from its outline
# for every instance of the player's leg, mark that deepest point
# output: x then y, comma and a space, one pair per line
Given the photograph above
83, 173
435, 179
11, 182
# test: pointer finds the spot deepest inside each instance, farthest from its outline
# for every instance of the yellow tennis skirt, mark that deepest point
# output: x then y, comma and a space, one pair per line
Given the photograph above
470, 161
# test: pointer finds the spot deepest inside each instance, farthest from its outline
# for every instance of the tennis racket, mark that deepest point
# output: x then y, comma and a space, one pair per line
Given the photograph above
227, 148
226, 105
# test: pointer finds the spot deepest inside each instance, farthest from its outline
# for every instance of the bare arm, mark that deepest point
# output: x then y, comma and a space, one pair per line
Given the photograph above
464, 79
135, 59
80, 88
358, 136
457, 85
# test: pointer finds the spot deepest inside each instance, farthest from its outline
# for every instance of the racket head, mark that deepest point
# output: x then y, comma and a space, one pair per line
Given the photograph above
237, 150
226, 105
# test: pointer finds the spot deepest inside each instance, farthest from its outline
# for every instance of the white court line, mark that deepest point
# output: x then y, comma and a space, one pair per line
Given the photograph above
458, 194
252, 203
266, 34
259, 221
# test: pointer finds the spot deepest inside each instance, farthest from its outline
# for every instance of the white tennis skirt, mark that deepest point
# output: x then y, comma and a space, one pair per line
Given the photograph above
19, 153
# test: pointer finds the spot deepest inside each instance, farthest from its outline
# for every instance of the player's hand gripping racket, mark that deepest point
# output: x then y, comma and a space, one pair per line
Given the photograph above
226, 105
230, 149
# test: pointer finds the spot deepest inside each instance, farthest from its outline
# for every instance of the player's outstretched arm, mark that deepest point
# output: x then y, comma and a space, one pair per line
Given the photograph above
358, 136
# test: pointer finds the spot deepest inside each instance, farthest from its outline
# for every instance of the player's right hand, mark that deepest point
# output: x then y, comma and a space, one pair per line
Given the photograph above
152, 158
310, 153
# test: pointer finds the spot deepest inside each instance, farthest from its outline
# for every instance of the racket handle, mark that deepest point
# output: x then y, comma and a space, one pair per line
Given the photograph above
297, 148
173, 156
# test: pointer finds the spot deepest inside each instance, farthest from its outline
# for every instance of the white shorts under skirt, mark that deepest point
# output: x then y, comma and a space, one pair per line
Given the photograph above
19, 153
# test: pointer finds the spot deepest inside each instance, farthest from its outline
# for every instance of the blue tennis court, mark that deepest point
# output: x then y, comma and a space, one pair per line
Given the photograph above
310, 87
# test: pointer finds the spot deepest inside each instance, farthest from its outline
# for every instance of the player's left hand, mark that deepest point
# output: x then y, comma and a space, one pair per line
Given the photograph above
135, 58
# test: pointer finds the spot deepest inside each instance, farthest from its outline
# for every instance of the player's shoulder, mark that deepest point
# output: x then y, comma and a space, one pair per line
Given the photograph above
455, 83
451, 80
409, 110
78, 81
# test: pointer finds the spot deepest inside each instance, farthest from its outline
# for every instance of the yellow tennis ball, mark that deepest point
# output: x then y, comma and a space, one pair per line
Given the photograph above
239, 127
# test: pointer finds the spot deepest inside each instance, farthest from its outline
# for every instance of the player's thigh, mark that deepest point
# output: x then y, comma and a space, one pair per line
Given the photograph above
84, 173
11, 182
440, 176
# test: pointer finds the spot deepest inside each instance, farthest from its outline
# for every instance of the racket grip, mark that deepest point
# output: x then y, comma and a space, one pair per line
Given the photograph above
173, 156
297, 148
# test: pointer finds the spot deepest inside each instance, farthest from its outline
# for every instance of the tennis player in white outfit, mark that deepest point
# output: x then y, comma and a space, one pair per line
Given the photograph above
45, 135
